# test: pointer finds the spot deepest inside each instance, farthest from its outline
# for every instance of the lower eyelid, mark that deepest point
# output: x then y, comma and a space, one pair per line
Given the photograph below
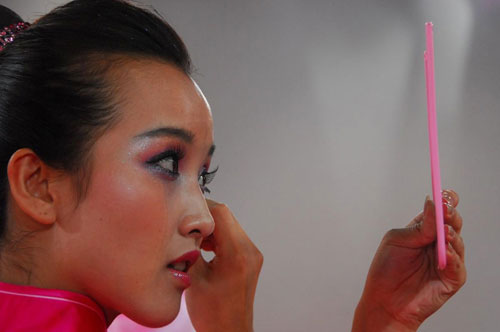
163, 172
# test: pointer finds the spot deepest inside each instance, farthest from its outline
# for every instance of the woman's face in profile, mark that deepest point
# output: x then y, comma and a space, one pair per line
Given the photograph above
144, 207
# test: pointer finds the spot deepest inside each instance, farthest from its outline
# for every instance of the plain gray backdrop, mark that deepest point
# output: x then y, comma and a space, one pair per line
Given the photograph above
320, 126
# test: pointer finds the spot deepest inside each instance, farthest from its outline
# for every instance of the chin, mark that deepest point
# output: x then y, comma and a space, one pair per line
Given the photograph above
155, 315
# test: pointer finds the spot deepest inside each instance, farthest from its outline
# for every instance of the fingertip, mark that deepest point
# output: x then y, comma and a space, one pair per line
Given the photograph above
428, 206
451, 197
455, 196
211, 203
448, 211
207, 246
428, 227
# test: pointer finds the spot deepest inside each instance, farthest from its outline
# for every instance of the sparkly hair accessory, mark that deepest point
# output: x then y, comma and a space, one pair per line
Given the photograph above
8, 33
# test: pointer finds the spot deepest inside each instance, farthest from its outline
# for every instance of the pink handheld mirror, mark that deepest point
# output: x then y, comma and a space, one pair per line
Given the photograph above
433, 144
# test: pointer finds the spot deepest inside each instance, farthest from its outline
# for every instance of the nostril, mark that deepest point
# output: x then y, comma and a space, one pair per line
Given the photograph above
196, 225
195, 231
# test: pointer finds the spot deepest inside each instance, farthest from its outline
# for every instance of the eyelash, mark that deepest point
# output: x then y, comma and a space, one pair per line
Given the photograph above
206, 178
176, 154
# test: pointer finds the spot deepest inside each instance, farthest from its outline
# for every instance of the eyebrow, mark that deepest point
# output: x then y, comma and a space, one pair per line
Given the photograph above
185, 135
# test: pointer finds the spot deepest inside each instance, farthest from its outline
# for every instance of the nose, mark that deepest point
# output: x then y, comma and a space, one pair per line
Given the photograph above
198, 221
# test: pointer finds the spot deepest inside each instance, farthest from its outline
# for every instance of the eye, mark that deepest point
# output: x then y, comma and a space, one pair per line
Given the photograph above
167, 162
205, 178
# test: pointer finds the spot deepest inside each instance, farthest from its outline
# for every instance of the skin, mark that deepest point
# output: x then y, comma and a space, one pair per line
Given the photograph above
116, 243
404, 286
222, 295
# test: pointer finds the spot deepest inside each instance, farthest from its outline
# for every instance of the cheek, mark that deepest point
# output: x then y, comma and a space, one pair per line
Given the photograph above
128, 228
131, 217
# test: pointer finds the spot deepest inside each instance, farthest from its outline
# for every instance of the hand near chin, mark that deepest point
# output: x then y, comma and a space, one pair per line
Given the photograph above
404, 286
222, 292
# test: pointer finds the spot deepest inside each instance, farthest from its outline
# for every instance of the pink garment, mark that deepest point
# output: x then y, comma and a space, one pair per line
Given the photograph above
182, 323
26, 308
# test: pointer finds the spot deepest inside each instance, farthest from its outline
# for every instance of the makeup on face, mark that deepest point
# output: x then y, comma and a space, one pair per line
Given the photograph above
164, 158
179, 267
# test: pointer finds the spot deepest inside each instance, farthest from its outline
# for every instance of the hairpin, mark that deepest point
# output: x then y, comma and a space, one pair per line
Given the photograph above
8, 33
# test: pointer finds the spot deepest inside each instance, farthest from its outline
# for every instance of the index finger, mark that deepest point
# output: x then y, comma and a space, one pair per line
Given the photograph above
228, 236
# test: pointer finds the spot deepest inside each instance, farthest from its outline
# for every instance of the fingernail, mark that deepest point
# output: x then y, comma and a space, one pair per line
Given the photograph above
427, 203
448, 210
447, 198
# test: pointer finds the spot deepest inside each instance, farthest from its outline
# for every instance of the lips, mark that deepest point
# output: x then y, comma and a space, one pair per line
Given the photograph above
184, 262
179, 267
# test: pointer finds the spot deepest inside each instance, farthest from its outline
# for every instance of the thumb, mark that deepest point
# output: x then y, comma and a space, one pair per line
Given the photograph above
420, 233
427, 229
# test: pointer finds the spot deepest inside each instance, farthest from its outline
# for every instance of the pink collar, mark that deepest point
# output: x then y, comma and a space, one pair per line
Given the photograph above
27, 308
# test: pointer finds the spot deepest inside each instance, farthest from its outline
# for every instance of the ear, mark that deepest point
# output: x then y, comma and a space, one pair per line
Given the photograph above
29, 186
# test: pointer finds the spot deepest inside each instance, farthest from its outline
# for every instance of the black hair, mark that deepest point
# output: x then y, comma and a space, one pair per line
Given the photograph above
8, 17
56, 92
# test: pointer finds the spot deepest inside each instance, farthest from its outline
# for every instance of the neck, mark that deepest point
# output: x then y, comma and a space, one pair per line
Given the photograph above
30, 257
19, 253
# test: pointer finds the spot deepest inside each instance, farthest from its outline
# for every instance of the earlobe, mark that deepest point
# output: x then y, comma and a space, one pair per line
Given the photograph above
29, 186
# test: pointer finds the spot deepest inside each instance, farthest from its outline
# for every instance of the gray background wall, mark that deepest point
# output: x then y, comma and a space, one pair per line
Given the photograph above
320, 122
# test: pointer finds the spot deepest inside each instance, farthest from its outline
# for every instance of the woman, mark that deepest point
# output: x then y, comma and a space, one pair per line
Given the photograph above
105, 150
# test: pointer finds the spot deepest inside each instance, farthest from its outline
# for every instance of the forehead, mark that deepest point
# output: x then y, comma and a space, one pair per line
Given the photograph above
153, 94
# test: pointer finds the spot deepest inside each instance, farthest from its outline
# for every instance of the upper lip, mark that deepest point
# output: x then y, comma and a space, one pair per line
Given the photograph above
189, 258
